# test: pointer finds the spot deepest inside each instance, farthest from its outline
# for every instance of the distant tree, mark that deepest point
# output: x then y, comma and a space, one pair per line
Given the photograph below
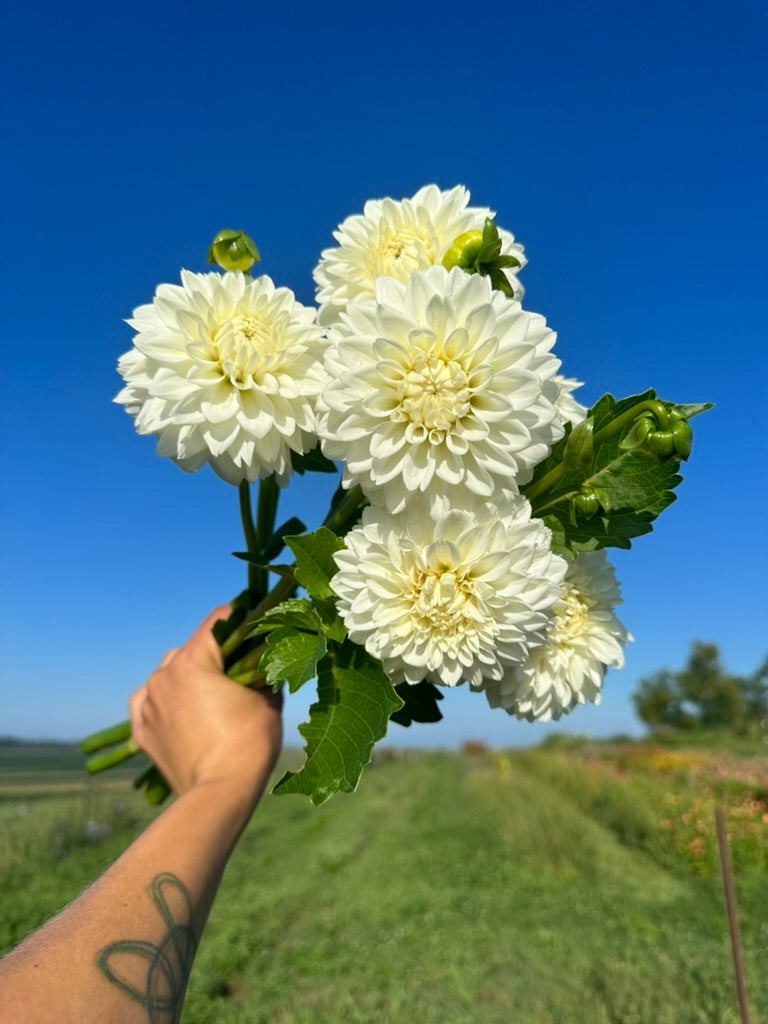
659, 703
703, 695
715, 695
755, 692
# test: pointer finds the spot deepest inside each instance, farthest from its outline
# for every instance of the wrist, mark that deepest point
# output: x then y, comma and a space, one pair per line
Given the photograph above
238, 795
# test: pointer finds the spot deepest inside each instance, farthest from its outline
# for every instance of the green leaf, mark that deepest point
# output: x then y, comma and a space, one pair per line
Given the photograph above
276, 542
633, 487
333, 624
314, 561
312, 462
635, 481
695, 410
506, 261
354, 702
252, 557
291, 657
296, 612
285, 571
419, 703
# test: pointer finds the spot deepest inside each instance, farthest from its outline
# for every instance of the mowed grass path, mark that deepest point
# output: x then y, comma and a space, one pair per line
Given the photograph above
452, 889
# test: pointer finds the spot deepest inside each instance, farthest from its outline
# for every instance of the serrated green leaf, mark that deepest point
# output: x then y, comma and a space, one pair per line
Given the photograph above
354, 702
419, 703
632, 486
314, 561
558, 542
296, 612
312, 462
635, 481
333, 624
291, 657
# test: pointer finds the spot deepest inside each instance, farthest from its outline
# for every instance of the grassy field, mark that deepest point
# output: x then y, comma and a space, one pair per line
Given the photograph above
552, 886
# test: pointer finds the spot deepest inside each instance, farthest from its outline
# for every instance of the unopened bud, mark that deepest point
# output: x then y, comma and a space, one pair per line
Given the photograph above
683, 438
464, 251
585, 504
580, 447
661, 443
479, 252
233, 250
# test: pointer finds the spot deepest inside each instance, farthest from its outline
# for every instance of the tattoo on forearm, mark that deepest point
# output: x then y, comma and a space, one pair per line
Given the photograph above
156, 975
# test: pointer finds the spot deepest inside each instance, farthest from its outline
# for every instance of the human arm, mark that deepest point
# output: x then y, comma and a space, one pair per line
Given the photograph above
122, 951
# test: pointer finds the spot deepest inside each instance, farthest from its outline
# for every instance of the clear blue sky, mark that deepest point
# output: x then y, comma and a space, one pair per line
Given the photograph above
625, 146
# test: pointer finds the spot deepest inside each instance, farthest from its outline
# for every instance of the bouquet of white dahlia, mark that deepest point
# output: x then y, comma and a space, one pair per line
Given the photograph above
465, 542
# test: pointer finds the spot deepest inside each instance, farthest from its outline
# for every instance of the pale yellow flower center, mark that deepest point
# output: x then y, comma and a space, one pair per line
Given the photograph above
400, 252
439, 603
245, 347
571, 617
433, 395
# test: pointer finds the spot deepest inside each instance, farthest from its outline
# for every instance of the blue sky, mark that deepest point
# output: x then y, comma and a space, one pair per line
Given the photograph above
623, 144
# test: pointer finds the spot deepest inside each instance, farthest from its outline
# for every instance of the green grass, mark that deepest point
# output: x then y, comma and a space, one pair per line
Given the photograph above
531, 887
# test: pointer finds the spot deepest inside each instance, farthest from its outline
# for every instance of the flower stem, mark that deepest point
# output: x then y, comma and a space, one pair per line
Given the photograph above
244, 670
106, 738
269, 495
338, 520
113, 757
283, 589
345, 511
249, 531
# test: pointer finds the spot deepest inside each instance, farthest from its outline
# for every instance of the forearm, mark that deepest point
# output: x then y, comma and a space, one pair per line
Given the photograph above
122, 952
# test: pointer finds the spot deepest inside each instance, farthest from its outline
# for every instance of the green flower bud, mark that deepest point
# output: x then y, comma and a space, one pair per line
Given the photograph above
580, 447
683, 438
233, 250
586, 503
661, 443
479, 252
464, 251
661, 413
638, 432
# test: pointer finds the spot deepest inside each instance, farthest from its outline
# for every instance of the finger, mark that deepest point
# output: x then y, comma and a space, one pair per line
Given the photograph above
169, 656
202, 642
135, 704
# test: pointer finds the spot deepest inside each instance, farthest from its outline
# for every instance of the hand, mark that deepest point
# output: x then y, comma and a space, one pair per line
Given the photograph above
198, 726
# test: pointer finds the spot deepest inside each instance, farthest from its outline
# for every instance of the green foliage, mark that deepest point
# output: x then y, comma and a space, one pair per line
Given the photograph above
419, 703
314, 561
479, 252
599, 487
449, 890
291, 657
354, 702
312, 462
703, 695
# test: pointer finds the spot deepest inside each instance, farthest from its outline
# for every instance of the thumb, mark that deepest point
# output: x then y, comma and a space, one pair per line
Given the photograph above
202, 644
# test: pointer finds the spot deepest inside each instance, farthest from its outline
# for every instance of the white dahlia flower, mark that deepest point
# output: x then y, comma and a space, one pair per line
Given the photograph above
225, 370
448, 597
440, 383
393, 239
584, 637
570, 410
